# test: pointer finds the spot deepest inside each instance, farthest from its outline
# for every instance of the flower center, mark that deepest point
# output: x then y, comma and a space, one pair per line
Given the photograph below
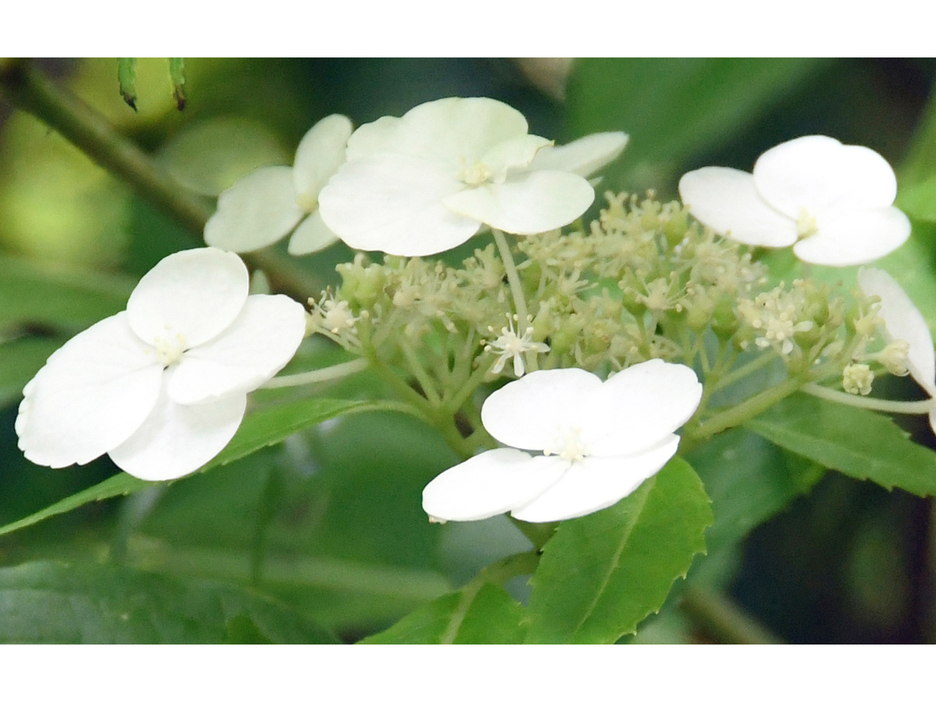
170, 350
568, 445
307, 203
805, 224
475, 175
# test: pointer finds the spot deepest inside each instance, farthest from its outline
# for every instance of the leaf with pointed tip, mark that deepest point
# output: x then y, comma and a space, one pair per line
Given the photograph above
602, 574
480, 615
857, 442
264, 427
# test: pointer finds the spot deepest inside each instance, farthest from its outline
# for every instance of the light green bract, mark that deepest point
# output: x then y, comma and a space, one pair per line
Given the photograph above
426, 182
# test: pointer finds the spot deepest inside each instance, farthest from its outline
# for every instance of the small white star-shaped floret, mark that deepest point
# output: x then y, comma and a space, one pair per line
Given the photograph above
426, 182
595, 442
831, 202
511, 346
265, 205
161, 387
904, 322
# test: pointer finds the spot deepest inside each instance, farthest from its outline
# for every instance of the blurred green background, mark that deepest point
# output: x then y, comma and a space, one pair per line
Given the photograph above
335, 511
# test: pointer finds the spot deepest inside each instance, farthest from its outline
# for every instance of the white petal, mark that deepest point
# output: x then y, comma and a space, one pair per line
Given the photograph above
855, 237
90, 396
726, 200
639, 407
595, 483
320, 153
450, 130
377, 137
514, 153
490, 483
583, 156
532, 203
258, 210
311, 235
253, 349
527, 412
176, 440
195, 294
903, 321
393, 203
822, 175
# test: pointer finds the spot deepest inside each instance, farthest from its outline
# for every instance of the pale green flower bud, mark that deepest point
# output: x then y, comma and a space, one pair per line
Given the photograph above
856, 379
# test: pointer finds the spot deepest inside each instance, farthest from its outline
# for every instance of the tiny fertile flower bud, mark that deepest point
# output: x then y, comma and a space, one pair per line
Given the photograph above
856, 378
894, 357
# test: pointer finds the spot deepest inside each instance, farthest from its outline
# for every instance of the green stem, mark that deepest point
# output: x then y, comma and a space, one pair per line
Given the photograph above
742, 412
513, 279
321, 375
27, 89
871, 403
497, 573
745, 370
516, 291
723, 619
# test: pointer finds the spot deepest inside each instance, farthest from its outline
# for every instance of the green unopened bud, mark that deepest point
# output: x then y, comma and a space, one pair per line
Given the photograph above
563, 339
675, 229
699, 311
725, 319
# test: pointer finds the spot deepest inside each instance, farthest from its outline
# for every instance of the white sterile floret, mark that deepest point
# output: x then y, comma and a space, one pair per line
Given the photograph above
903, 321
265, 205
831, 202
427, 181
161, 387
596, 442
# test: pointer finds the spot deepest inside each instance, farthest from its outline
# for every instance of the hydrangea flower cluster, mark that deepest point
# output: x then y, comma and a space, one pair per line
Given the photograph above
604, 329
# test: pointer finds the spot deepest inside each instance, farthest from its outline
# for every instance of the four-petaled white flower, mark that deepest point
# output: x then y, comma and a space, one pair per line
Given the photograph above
903, 321
265, 205
427, 181
831, 202
599, 442
161, 387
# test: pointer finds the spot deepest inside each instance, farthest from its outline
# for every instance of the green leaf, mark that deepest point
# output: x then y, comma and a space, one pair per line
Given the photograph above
674, 108
344, 535
749, 480
857, 442
478, 614
44, 602
177, 77
259, 429
47, 294
126, 77
602, 574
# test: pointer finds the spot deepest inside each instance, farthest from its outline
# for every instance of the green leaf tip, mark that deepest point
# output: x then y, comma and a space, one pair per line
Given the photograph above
177, 76
126, 76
